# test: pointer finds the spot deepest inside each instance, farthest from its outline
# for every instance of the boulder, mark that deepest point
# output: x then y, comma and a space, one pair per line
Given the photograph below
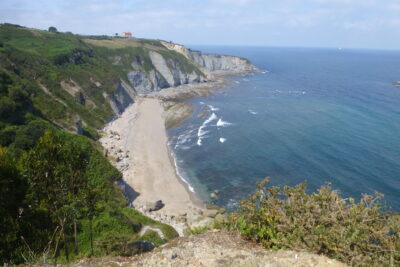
153, 206
141, 246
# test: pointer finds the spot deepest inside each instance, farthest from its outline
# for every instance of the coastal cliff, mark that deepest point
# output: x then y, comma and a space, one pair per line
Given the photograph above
167, 72
214, 63
93, 79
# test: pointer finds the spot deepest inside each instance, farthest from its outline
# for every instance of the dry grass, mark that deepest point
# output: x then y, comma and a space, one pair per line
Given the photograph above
118, 43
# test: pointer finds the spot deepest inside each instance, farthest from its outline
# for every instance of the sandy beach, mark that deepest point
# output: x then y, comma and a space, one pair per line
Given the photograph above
137, 144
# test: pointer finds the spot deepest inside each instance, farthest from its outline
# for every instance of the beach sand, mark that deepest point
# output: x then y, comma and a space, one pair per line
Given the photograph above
137, 143
154, 175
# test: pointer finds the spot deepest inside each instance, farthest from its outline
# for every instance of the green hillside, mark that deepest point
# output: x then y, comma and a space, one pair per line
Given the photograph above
58, 194
66, 75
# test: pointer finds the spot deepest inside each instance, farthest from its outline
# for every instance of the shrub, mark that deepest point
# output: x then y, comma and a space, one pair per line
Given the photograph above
362, 233
53, 29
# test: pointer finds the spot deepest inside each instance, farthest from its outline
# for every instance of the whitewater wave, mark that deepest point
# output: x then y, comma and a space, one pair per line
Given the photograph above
212, 108
221, 123
222, 140
180, 175
202, 132
183, 139
253, 112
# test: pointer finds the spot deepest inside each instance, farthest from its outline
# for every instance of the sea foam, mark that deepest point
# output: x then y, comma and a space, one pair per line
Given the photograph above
213, 108
221, 123
183, 139
202, 132
180, 175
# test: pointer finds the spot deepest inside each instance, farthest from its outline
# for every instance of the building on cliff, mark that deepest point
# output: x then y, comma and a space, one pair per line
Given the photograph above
127, 34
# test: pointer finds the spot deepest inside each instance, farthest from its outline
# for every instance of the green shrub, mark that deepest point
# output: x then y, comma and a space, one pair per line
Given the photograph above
362, 233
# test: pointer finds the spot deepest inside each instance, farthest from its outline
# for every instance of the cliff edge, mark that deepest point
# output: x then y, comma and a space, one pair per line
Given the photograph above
217, 248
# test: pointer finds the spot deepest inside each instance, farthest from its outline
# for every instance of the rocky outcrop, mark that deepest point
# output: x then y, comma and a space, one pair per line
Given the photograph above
213, 63
147, 82
217, 248
155, 71
222, 64
76, 56
176, 112
172, 71
121, 98
221, 248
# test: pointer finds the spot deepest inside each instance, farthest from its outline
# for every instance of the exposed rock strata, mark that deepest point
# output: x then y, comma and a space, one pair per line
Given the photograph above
213, 63
168, 73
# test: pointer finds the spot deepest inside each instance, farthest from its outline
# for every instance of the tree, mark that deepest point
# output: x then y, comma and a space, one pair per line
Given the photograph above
12, 195
53, 29
55, 169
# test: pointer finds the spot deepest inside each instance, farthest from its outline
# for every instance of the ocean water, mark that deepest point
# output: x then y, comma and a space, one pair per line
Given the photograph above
321, 115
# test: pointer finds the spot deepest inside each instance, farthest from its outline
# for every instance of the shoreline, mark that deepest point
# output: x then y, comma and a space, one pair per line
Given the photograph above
141, 151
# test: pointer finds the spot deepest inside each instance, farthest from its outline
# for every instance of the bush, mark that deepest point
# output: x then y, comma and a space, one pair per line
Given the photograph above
7, 107
362, 233
53, 29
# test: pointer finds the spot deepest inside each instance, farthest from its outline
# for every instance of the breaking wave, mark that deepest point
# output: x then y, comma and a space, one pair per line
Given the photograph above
202, 132
221, 123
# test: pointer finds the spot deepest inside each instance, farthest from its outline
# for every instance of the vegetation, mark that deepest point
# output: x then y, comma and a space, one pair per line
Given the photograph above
58, 195
60, 202
362, 233
45, 63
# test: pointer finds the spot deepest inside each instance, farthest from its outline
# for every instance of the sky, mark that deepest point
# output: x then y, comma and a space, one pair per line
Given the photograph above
299, 23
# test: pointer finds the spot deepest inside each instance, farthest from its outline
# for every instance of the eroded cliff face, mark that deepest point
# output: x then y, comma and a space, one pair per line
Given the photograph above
213, 63
165, 72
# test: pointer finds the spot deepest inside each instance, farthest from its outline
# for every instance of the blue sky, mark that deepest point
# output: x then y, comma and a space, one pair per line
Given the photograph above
307, 23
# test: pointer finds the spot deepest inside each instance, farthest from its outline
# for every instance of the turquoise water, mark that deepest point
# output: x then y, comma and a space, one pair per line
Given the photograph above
321, 115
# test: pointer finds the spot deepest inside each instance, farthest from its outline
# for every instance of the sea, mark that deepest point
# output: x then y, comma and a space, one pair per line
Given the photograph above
314, 114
